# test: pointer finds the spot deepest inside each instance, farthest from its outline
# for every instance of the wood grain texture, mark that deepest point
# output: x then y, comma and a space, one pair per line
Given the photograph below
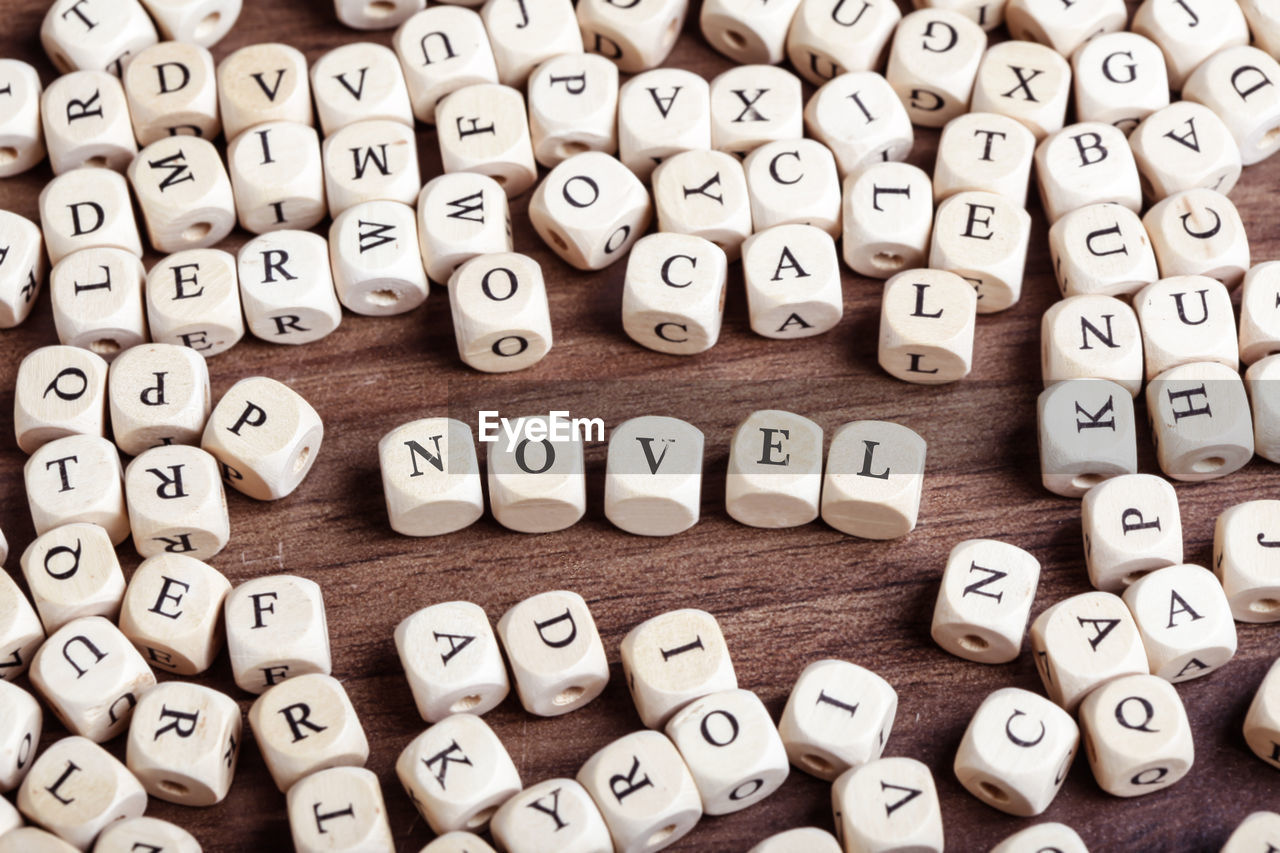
784, 598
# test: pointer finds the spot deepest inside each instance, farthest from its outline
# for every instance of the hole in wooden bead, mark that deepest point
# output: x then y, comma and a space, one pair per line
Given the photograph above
661, 835
888, 260
501, 179
1134, 575
198, 231
974, 643
383, 297
1208, 465
481, 818
736, 40
558, 239
993, 791
105, 346
1265, 605
172, 787
466, 703
98, 162
7, 155
568, 696
672, 31
207, 25
816, 763
301, 460
380, 8
570, 147
1087, 481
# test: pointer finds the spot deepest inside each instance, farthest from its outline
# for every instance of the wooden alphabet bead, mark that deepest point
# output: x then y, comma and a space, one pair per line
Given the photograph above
501, 320
1185, 146
457, 773
21, 134
927, 321
793, 181
933, 64
306, 724
484, 128
1259, 332
23, 722
1190, 32
1244, 560
1132, 526
808, 839
555, 652
1087, 435
888, 804
158, 394
1200, 421
635, 37
1091, 336
874, 477
573, 107
878, 131
644, 791
1083, 164
10, 818
86, 208
661, 113
286, 287
1185, 621
340, 808
1264, 401
553, 816
775, 470
458, 842
673, 293
461, 215
374, 15
672, 659
430, 476
359, 81
91, 677
76, 789
1084, 641
29, 839
96, 296
1185, 319
172, 612
22, 264
526, 33
792, 278
590, 209
1256, 832
172, 90
1136, 735
1025, 81
276, 630
1043, 836
20, 630
983, 238
653, 476
274, 189
176, 502
536, 490
837, 716
704, 193
1016, 751
747, 33
1102, 249
984, 601
1264, 26
59, 391
1262, 722
184, 192
95, 34
1120, 79
72, 571
1063, 28
442, 49
1199, 232
263, 83
77, 478
373, 251
984, 152
193, 300
469, 677
143, 833
200, 22
752, 105
820, 52
370, 160
1238, 83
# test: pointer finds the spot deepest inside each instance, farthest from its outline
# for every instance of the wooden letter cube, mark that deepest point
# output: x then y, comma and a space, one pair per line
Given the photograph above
201, 22
176, 503
1256, 832
21, 134
158, 394
793, 181
263, 83
484, 128
430, 477
1185, 621
264, 436
277, 175
1245, 560
888, 217
72, 571
1132, 526
927, 322
461, 215
526, 33
653, 476
876, 129
555, 652
276, 630
457, 773
888, 804
458, 842
1086, 163
340, 808
96, 296
96, 34
983, 238
1091, 336
22, 274
536, 489
838, 716
501, 319
573, 107
673, 293
1184, 146
1238, 84
1063, 28
442, 49
1025, 81
305, 724
1259, 332
1185, 319
984, 601
1084, 641
704, 193
1102, 249
820, 52
23, 722
145, 833
933, 64
874, 477
184, 193
357, 82
1088, 434
672, 659
1262, 722
59, 391
29, 839
373, 251
172, 91
1041, 837
808, 839
1136, 735
184, 743
371, 160
21, 633
745, 32
469, 675
556, 814
1120, 79
86, 208
775, 470
1200, 421
172, 612
77, 478
1264, 400
792, 278
286, 287
373, 15
634, 36
661, 113
1199, 232
752, 105
76, 789
984, 152
193, 300
1189, 32
590, 209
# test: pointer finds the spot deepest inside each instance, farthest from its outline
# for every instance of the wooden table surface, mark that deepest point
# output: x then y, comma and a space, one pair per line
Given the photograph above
783, 597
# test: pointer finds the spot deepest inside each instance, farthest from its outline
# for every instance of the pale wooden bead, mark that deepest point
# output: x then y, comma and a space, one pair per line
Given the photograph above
1264, 24
438, 491
653, 476
371, 160
874, 477
1262, 722
145, 833
1087, 434
172, 612
555, 652
470, 676
460, 216
373, 251
375, 15
983, 238
21, 276
184, 193
87, 208
359, 81
1256, 832
647, 804
72, 571
984, 602
458, 842
340, 808
752, 105
1102, 249
1083, 164
746, 32
553, 816
277, 176
808, 839
76, 789
1084, 641
590, 209
91, 677
1041, 837
1025, 81
1243, 559
1199, 232
673, 293
263, 83
1238, 83
877, 132
1185, 621
457, 773
442, 49
987, 14
1200, 421
984, 152
860, 41
573, 107
171, 91
96, 295
176, 503
1012, 764
634, 36
1189, 32
286, 287
536, 491
1136, 735
1176, 330
793, 181
95, 34
672, 659
704, 193
1132, 526
306, 724
661, 113
10, 818
23, 722
888, 804
1091, 336
21, 134
1259, 332
1260, 381
21, 633
933, 64
77, 478
484, 128
29, 839
193, 300
59, 391
792, 278
526, 33
1063, 28
927, 322
276, 629
1120, 79
1184, 146
838, 716
775, 470
501, 319
158, 395
200, 22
